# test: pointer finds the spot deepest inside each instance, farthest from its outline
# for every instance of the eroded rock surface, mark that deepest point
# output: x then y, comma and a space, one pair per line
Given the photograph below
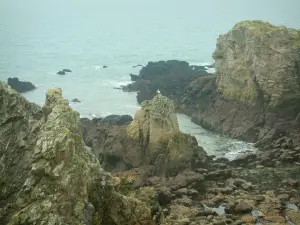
257, 86
48, 175
152, 139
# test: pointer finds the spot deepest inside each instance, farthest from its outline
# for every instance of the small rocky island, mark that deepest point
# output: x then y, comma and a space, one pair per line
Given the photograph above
59, 169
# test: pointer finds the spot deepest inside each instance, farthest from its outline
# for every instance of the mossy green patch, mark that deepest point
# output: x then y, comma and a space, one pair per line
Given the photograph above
294, 37
78, 209
256, 26
18, 219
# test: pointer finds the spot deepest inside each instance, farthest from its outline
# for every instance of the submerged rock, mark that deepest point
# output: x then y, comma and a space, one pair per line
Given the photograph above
20, 86
138, 65
67, 70
61, 72
75, 100
48, 175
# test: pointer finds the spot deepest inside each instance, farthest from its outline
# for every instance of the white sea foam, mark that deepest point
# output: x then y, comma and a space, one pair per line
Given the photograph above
114, 83
97, 67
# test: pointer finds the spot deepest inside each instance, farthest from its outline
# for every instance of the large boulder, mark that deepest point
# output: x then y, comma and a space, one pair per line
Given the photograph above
111, 145
155, 128
156, 119
20, 86
48, 175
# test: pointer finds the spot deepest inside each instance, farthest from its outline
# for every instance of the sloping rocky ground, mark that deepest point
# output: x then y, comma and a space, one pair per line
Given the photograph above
191, 188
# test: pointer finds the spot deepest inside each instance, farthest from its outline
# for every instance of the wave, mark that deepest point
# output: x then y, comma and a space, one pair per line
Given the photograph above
114, 83
97, 67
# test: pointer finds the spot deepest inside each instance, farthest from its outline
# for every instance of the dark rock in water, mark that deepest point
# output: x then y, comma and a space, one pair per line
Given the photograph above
67, 70
61, 72
138, 65
75, 100
104, 66
134, 77
138, 86
117, 119
20, 86
170, 77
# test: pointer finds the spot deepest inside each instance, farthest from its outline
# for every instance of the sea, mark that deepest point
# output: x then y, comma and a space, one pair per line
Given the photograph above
40, 37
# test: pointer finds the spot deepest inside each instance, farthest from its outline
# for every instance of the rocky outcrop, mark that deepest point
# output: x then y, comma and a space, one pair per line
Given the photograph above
155, 120
257, 87
152, 140
170, 77
116, 152
48, 175
256, 61
20, 86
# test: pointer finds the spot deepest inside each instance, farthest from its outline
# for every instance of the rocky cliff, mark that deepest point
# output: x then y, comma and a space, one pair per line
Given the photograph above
48, 175
256, 61
257, 84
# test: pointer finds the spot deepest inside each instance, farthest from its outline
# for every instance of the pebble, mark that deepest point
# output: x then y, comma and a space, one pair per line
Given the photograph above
184, 221
219, 222
243, 207
259, 198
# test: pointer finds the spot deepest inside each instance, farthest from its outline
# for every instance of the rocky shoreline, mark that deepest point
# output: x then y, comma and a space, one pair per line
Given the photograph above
59, 169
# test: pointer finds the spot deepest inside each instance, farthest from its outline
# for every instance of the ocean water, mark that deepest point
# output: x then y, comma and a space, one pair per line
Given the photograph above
39, 38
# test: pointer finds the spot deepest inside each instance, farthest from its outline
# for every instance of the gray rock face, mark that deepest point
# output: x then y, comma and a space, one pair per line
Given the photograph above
257, 86
48, 175
258, 60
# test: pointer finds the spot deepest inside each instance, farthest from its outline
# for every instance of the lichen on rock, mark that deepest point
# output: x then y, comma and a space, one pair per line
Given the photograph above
156, 119
256, 61
48, 175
